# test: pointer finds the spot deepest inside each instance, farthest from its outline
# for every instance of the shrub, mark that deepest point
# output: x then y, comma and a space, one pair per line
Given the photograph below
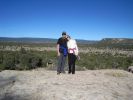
1, 57
9, 61
25, 60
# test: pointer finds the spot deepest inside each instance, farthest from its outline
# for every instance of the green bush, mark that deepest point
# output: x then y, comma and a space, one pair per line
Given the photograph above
104, 61
2, 67
24, 62
9, 61
1, 57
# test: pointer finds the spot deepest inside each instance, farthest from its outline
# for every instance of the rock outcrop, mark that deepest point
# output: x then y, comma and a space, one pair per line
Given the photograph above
130, 69
84, 85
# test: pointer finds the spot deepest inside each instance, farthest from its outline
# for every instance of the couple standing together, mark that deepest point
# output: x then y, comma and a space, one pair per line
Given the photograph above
66, 46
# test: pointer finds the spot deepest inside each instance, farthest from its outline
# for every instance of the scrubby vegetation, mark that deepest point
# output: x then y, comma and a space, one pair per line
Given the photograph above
106, 54
25, 60
104, 61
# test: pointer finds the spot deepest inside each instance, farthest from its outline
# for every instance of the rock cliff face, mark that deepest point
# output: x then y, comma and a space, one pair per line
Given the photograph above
84, 85
117, 40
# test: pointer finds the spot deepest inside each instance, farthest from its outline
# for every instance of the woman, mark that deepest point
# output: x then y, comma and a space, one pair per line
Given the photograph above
72, 54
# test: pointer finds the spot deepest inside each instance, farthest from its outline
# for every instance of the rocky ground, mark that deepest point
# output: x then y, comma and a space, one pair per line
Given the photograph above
84, 85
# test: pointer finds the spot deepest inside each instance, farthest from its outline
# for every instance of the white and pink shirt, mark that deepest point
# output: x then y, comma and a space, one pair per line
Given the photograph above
72, 47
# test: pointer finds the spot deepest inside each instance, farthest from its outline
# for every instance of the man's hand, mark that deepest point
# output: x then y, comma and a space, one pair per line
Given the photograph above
58, 53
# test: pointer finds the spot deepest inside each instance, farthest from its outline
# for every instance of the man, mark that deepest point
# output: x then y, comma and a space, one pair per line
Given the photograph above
72, 54
62, 52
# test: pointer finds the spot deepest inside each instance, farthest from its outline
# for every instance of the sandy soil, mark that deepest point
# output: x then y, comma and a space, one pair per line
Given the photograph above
84, 85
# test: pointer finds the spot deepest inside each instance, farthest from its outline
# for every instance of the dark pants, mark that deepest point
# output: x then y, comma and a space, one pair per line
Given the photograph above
71, 63
61, 63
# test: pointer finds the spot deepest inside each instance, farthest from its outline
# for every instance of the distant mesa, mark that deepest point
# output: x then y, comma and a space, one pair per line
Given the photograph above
117, 40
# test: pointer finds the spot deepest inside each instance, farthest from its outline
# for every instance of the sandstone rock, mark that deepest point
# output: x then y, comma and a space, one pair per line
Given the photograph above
130, 69
84, 85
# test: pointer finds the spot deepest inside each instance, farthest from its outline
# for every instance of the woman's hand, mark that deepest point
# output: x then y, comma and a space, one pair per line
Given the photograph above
58, 54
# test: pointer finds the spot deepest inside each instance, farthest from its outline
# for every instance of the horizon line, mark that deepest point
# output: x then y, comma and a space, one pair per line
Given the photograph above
57, 38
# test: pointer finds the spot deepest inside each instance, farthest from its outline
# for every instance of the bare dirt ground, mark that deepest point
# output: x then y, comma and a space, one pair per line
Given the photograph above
84, 85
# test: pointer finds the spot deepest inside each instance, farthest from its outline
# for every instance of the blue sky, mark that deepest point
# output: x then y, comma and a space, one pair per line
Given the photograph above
81, 19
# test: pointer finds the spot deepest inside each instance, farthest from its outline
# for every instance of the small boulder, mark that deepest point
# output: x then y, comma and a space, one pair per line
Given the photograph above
130, 69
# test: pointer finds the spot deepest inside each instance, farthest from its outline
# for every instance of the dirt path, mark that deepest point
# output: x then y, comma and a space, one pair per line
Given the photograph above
84, 85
